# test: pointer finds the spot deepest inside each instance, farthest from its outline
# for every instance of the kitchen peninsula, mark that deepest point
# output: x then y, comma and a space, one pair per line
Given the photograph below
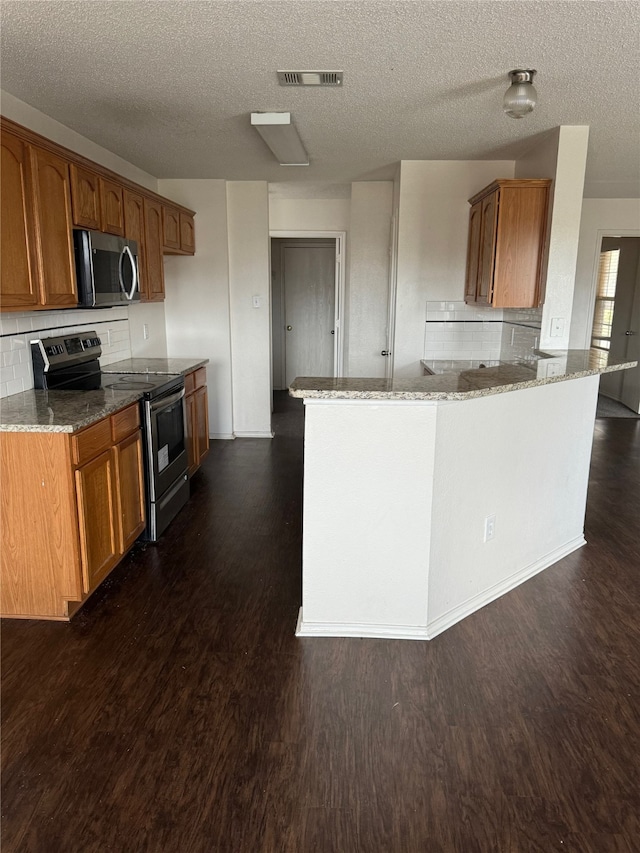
427, 498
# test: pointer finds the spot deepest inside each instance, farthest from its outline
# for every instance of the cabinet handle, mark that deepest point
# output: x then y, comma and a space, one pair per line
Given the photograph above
289, 328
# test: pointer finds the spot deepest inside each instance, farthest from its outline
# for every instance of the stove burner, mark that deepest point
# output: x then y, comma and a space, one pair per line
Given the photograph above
130, 385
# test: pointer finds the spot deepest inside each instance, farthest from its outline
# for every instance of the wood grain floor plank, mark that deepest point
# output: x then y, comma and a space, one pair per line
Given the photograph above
178, 711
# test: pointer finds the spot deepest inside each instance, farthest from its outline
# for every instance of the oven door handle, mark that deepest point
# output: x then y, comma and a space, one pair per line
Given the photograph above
165, 402
134, 273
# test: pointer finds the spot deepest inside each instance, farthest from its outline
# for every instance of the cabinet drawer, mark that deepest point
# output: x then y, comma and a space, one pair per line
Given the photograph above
125, 422
200, 377
190, 382
91, 441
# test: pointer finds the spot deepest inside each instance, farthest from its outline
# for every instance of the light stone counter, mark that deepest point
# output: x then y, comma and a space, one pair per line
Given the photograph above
60, 411
463, 381
155, 365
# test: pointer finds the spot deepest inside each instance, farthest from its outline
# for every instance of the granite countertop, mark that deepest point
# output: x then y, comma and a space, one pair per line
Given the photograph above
60, 411
465, 380
155, 365
68, 411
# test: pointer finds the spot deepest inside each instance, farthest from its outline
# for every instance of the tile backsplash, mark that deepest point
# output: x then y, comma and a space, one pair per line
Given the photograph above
455, 330
17, 330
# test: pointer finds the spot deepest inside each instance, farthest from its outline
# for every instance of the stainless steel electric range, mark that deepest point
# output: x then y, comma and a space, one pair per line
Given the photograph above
72, 363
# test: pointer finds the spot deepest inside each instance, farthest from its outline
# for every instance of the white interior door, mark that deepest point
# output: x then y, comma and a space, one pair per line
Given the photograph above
308, 274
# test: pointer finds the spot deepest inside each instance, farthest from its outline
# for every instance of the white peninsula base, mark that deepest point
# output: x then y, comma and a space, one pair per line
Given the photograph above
397, 494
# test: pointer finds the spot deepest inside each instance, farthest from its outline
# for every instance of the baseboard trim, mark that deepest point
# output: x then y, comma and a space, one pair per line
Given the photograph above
226, 436
253, 434
362, 630
447, 620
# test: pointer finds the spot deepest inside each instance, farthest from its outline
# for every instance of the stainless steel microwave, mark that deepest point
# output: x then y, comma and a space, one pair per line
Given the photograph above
106, 269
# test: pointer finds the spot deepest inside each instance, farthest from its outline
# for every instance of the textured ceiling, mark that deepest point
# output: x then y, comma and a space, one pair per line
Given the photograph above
169, 85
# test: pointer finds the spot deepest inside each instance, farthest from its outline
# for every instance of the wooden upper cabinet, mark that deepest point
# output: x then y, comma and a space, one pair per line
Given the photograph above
111, 207
187, 233
507, 239
54, 226
85, 195
489, 217
473, 252
170, 227
19, 286
134, 230
153, 245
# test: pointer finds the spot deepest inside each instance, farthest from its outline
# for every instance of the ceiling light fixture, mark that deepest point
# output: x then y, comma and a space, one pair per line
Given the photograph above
521, 96
281, 136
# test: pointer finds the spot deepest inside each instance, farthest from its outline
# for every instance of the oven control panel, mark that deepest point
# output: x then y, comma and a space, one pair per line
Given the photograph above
64, 351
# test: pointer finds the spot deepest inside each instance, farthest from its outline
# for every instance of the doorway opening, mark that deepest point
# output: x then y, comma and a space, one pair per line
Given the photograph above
615, 325
307, 299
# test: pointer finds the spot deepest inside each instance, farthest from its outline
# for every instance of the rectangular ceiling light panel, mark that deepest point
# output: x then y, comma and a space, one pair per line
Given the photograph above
281, 136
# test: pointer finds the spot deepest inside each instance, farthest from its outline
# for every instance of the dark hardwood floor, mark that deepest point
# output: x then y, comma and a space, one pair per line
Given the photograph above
178, 713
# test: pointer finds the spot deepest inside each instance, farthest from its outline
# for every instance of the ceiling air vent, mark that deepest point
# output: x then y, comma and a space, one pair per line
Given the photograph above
310, 78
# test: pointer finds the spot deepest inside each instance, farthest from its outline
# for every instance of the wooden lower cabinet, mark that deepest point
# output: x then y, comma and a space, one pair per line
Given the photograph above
197, 408
97, 519
72, 505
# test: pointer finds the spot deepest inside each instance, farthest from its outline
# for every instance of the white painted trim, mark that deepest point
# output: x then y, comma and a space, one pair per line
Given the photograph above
604, 232
487, 596
341, 241
253, 434
381, 632
222, 436
395, 632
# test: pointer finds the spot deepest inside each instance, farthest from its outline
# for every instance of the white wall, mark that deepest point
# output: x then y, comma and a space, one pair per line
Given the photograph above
249, 276
309, 214
562, 155
432, 243
370, 222
600, 217
197, 295
40, 123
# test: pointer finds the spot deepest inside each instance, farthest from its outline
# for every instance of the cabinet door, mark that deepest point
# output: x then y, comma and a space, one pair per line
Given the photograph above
111, 208
487, 248
99, 541
85, 196
170, 227
187, 233
54, 226
153, 251
134, 230
130, 490
191, 436
20, 286
473, 252
201, 423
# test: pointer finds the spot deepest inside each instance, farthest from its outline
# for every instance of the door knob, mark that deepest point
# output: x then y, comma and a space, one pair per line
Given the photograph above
385, 352
629, 332
289, 328
332, 332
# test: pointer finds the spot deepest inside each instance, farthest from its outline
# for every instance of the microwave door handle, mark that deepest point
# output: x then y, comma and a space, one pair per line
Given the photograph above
134, 273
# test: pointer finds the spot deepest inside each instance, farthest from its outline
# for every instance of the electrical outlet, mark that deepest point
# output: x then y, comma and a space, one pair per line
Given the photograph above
557, 327
145, 331
489, 527
257, 302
